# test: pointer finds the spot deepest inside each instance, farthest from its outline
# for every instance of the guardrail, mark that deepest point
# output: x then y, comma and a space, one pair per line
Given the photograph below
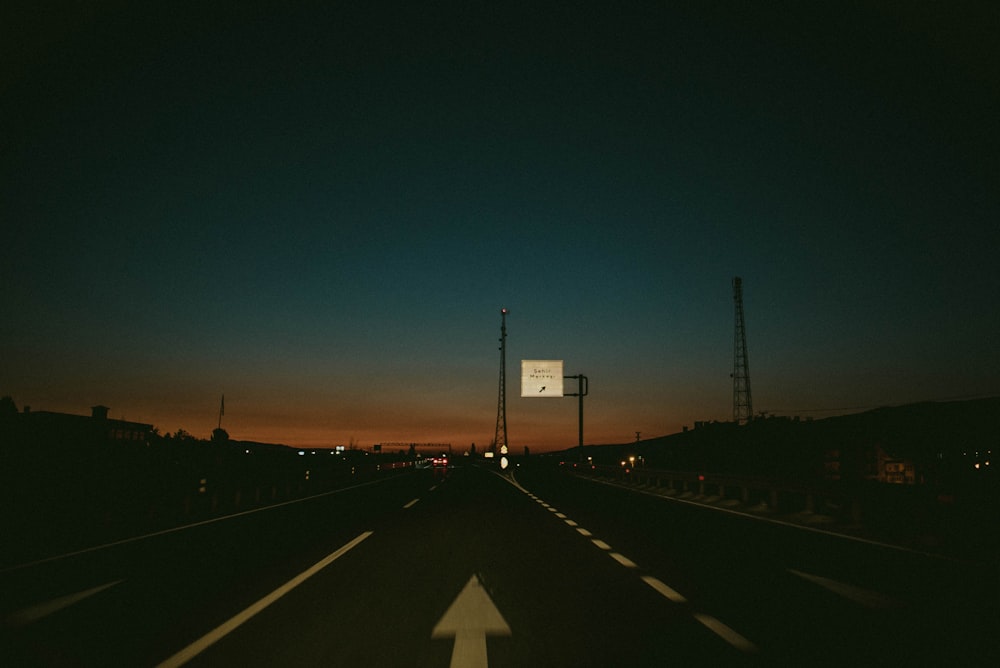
49, 514
960, 522
837, 502
225, 494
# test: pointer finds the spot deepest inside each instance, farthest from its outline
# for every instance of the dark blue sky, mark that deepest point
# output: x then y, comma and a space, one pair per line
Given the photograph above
320, 211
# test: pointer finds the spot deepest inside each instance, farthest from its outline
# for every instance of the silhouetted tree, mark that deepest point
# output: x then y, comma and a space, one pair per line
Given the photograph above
220, 435
8, 409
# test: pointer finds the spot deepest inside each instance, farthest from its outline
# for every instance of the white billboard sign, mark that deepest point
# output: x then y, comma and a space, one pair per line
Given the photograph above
541, 378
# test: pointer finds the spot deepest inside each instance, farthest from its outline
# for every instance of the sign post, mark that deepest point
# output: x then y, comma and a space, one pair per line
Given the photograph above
583, 387
544, 378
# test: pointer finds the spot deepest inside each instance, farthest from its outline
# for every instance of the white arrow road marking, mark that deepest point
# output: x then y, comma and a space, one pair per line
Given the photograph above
36, 612
866, 597
471, 617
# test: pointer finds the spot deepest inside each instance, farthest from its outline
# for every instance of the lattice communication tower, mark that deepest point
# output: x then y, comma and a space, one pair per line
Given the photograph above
742, 400
500, 440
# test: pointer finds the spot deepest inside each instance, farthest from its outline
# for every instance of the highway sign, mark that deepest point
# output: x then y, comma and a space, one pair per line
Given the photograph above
541, 378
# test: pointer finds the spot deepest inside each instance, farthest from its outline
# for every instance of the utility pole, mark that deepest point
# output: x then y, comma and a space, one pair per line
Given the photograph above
742, 400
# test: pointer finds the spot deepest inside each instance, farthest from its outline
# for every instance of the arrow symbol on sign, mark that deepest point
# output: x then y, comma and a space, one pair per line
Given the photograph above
471, 617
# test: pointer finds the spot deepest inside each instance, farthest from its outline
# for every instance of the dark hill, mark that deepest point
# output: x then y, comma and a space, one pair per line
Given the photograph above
942, 441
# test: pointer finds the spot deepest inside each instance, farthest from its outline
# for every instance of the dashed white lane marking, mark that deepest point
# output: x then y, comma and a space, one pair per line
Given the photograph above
552, 510
213, 636
411, 503
36, 612
663, 589
623, 560
726, 633
865, 597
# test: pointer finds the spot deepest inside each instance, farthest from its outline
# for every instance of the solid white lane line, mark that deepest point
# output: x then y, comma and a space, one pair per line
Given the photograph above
865, 597
726, 633
623, 560
601, 544
663, 589
213, 636
36, 612
411, 504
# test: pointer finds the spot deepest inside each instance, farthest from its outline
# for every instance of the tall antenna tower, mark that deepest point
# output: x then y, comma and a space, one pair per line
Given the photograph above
742, 401
500, 440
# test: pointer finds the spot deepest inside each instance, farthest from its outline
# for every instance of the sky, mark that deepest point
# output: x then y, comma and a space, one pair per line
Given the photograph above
319, 210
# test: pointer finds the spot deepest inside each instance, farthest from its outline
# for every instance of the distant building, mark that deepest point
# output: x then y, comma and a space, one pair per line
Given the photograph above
894, 470
66, 429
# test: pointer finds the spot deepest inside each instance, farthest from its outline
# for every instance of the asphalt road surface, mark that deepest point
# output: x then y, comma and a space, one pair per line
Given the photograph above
464, 567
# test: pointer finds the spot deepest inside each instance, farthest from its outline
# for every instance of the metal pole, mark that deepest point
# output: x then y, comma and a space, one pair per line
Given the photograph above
583, 387
500, 438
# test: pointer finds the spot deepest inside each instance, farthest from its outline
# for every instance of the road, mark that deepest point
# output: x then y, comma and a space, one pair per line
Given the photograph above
465, 567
